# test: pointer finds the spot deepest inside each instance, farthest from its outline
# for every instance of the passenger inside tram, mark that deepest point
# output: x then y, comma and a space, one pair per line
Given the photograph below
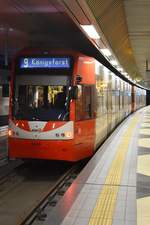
42, 103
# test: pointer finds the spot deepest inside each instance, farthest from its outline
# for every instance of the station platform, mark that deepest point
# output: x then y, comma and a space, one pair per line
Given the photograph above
114, 187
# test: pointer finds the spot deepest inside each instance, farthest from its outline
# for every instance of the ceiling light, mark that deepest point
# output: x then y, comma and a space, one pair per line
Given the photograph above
106, 51
138, 79
114, 62
11, 29
120, 69
91, 31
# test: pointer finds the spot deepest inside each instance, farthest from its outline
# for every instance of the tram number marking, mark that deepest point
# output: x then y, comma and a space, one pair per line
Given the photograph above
36, 143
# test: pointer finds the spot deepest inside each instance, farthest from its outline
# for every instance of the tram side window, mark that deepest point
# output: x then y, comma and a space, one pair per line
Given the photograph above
85, 103
79, 104
5, 90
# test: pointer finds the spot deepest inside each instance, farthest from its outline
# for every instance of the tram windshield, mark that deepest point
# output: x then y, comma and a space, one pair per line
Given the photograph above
41, 102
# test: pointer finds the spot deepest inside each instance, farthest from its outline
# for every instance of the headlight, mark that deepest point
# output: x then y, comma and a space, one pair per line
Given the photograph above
68, 134
10, 132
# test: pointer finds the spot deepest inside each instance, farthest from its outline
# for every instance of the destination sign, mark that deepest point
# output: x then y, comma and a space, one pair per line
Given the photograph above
45, 63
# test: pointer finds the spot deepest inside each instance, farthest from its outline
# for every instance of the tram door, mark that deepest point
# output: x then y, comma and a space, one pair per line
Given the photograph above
85, 125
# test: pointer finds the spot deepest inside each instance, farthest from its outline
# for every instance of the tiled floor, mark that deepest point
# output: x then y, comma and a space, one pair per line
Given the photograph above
143, 171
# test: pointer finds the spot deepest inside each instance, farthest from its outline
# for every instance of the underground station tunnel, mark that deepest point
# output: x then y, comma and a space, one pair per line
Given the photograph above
74, 112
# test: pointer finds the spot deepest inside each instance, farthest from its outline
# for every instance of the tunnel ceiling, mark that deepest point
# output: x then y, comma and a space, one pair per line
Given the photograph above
55, 23
138, 22
125, 24
37, 23
110, 16
33, 23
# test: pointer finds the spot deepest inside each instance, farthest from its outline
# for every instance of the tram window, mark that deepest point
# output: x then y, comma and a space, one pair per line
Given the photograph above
85, 103
5, 90
79, 104
35, 102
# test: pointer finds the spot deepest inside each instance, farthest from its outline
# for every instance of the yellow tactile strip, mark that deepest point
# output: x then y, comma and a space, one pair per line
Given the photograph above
105, 206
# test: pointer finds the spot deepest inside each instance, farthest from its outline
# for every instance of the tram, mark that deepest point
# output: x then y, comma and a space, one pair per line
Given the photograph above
63, 105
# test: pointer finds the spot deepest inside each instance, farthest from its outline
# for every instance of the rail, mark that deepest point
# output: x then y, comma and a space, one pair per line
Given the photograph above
49, 199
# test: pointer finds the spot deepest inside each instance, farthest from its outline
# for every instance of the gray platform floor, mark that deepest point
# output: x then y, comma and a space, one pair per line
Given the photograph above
98, 196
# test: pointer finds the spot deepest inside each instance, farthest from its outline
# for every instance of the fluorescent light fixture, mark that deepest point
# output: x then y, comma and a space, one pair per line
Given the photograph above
91, 31
114, 62
138, 79
120, 69
125, 74
11, 29
106, 51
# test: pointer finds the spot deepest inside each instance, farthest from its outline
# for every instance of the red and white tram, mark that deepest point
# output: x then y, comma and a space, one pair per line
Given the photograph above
64, 104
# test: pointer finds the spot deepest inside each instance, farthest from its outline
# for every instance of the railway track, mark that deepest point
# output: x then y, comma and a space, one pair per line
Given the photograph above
8, 169
3, 161
51, 198
29, 191
9, 176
